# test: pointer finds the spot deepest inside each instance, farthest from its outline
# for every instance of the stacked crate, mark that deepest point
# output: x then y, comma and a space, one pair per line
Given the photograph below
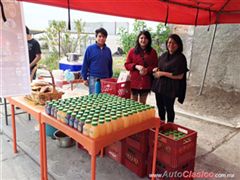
175, 152
135, 153
115, 151
111, 86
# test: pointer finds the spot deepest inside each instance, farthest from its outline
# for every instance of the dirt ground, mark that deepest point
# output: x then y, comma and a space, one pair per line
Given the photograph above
214, 102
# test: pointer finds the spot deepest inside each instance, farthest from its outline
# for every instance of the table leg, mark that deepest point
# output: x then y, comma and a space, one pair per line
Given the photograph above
155, 152
44, 151
93, 166
101, 153
41, 152
5, 110
14, 129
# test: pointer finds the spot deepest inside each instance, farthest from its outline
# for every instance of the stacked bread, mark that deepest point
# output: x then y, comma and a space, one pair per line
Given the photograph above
41, 86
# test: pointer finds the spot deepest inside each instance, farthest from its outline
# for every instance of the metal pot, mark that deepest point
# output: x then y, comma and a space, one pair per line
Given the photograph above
73, 57
63, 140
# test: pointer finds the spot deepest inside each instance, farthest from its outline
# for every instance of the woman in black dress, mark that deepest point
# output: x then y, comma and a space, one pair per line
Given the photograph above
170, 78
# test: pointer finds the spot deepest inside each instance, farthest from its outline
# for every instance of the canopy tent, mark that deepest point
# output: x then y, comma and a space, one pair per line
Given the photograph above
193, 12
187, 12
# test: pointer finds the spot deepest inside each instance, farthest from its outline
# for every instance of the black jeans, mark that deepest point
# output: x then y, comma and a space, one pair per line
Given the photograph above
165, 104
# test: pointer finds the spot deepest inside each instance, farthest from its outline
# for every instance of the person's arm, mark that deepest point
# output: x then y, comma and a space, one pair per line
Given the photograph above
85, 65
159, 74
110, 64
129, 64
37, 52
36, 60
153, 63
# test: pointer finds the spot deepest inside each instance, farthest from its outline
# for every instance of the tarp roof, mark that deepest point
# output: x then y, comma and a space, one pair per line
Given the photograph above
193, 12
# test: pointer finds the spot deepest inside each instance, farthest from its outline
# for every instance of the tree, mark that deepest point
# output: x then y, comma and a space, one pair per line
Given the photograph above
57, 33
159, 37
128, 40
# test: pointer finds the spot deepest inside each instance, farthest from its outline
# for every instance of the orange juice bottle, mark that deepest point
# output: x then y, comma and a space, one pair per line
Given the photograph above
102, 127
59, 113
130, 118
136, 119
143, 114
152, 111
108, 126
94, 130
119, 121
114, 123
125, 120
86, 127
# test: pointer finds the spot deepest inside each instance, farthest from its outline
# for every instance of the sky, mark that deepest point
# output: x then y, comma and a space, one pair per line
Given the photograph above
37, 16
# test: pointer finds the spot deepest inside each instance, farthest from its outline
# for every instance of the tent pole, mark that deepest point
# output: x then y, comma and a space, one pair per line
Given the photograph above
209, 56
190, 61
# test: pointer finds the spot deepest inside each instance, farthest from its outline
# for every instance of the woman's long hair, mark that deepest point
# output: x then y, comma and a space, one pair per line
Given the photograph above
138, 48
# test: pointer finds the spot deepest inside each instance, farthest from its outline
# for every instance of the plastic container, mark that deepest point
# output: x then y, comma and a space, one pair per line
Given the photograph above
94, 130
135, 161
72, 66
50, 130
163, 169
115, 151
139, 141
174, 153
86, 127
110, 86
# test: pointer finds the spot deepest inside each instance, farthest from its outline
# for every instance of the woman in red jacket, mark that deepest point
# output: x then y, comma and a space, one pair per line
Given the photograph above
140, 62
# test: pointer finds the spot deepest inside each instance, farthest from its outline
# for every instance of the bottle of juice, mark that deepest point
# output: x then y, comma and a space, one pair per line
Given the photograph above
143, 113
81, 124
147, 111
86, 127
48, 107
55, 111
119, 121
133, 117
125, 120
94, 130
72, 119
63, 115
59, 113
114, 124
152, 111
68, 116
130, 118
101, 126
76, 121
136, 115
108, 125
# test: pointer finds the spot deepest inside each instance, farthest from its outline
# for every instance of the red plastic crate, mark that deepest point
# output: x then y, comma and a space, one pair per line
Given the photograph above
110, 86
164, 172
135, 161
171, 152
115, 151
139, 141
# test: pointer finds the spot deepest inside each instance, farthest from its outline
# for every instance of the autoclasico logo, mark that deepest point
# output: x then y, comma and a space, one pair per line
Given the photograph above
191, 174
